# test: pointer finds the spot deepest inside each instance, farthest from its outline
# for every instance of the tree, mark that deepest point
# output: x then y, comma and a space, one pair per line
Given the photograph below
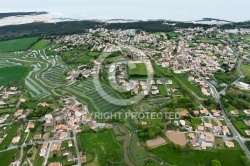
151, 134
54, 155
245, 160
215, 162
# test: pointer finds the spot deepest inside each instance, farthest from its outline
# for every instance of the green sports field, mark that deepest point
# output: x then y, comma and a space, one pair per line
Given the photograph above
17, 44
137, 69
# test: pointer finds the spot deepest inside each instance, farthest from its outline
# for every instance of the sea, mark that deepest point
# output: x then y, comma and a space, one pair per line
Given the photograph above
177, 10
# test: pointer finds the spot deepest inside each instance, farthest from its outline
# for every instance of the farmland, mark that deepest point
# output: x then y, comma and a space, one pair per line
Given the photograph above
15, 73
103, 145
40, 44
196, 157
17, 44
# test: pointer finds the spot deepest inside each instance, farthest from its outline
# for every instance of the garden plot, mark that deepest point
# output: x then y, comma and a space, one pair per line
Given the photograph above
177, 137
155, 142
88, 90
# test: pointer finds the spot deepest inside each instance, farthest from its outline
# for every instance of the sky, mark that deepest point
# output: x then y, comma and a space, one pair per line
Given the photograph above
179, 10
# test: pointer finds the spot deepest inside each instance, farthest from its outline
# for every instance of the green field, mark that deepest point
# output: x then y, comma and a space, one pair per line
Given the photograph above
210, 41
162, 89
11, 132
94, 53
159, 71
9, 74
113, 59
196, 122
17, 44
196, 89
247, 143
219, 142
137, 69
247, 37
173, 34
104, 147
246, 70
40, 44
7, 157
241, 125
197, 157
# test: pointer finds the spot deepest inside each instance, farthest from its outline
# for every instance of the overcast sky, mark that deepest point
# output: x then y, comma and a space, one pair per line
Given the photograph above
181, 10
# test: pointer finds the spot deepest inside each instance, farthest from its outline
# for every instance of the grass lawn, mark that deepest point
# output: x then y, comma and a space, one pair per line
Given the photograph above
40, 44
197, 157
247, 143
17, 44
6, 157
173, 34
94, 53
219, 142
9, 74
247, 37
162, 90
196, 89
241, 124
196, 122
112, 59
223, 122
10, 134
246, 70
160, 71
137, 69
103, 145
210, 41
192, 44
241, 127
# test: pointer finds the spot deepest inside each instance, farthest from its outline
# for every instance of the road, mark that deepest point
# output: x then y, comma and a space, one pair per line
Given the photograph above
236, 135
47, 155
74, 139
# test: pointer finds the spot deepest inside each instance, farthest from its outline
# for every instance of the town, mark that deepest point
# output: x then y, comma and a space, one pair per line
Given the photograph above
200, 73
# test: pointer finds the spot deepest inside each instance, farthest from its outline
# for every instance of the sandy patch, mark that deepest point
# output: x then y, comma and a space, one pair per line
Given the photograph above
177, 137
16, 20
158, 141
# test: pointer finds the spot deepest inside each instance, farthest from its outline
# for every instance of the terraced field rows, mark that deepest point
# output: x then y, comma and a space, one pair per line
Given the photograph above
36, 91
7, 63
88, 90
55, 73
